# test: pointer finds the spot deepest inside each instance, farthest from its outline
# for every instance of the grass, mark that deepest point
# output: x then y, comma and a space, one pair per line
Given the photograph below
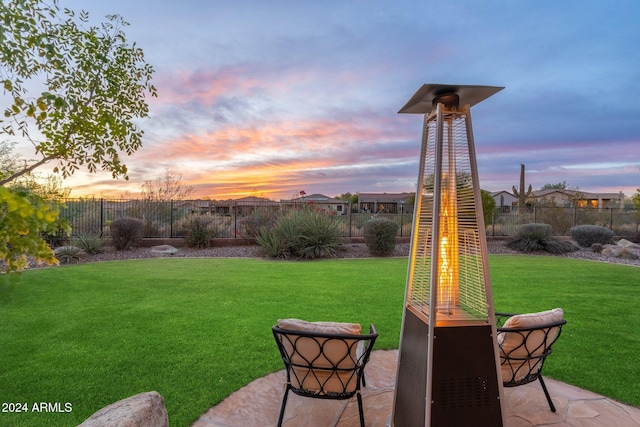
195, 330
599, 345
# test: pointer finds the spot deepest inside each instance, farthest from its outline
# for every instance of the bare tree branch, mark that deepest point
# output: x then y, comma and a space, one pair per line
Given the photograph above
27, 170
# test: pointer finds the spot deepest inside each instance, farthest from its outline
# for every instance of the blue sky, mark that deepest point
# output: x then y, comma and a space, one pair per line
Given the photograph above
269, 98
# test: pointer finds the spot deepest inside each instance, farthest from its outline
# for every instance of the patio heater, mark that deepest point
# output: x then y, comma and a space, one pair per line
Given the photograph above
448, 367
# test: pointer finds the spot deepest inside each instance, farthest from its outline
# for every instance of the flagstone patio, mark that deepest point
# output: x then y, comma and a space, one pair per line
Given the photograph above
258, 404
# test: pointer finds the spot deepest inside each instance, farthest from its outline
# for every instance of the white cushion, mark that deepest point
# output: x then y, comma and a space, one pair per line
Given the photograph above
511, 343
320, 327
531, 320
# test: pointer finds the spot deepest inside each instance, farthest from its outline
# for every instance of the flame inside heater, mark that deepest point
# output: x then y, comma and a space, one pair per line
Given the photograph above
448, 286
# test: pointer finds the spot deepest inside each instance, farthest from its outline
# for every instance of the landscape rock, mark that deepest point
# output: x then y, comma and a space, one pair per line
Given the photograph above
141, 410
628, 252
627, 244
611, 250
164, 250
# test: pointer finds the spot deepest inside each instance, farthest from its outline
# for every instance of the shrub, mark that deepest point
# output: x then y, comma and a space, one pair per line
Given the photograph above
251, 225
587, 235
89, 243
198, 231
319, 235
305, 234
538, 237
272, 243
59, 232
126, 232
380, 236
68, 254
597, 248
56, 238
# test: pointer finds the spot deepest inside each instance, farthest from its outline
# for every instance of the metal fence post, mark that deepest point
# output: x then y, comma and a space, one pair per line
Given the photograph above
350, 213
493, 224
101, 217
234, 205
171, 218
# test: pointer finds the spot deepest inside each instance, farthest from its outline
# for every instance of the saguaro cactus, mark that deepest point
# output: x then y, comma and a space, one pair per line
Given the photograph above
521, 194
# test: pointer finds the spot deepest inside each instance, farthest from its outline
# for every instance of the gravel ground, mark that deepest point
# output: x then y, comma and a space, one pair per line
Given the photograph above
349, 250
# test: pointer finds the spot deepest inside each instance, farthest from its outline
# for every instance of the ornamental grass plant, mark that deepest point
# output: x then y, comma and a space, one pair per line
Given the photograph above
538, 237
587, 235
302, 234
90, 243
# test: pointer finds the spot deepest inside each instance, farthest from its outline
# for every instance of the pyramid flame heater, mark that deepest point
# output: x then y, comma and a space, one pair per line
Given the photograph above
448, 367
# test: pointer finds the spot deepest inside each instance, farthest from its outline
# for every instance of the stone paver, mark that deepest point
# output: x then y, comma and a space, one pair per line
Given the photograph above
258, 404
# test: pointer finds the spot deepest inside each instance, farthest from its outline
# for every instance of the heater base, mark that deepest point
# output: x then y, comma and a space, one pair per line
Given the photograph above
464, 387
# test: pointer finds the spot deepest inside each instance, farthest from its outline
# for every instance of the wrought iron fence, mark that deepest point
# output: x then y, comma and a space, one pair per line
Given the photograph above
624, 222
235, 219
231, 219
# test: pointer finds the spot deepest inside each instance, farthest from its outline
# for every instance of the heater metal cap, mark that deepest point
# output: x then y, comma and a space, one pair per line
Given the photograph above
422, 102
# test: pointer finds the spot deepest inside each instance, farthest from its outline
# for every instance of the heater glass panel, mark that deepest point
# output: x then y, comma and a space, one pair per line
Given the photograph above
447, 253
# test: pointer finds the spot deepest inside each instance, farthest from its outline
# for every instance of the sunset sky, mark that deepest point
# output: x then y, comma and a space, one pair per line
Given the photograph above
268, 98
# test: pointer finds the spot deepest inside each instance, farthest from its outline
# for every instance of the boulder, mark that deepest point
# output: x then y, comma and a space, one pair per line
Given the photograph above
163, 250
141, 410
611, 250
627, 244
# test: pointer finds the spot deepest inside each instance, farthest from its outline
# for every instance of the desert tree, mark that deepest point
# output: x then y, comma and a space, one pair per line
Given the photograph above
167, 187
72, 91
635, 199
156, 206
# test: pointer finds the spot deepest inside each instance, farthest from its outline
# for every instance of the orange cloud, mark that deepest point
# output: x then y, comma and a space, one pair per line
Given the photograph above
239, 135
270, 140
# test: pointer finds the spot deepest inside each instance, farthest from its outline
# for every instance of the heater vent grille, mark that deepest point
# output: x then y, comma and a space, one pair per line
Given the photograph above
462, 261
464, 392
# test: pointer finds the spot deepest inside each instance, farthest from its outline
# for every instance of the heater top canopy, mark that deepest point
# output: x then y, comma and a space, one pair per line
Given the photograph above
422, 102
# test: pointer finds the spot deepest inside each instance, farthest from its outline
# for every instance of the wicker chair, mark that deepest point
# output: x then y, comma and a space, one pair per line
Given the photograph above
525, 342
322, 361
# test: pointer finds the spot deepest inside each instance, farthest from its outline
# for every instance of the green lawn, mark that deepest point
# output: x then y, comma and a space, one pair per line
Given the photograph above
195, 330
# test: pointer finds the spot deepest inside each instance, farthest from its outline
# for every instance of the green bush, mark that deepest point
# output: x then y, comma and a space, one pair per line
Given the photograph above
305, 233
89, 243
380, 236
538, 237
198, 231
126, 232
587, 235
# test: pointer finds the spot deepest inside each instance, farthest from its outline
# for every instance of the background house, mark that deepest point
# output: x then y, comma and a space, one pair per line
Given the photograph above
323, 202
385, 202
577, 198
560, 198
504, 201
